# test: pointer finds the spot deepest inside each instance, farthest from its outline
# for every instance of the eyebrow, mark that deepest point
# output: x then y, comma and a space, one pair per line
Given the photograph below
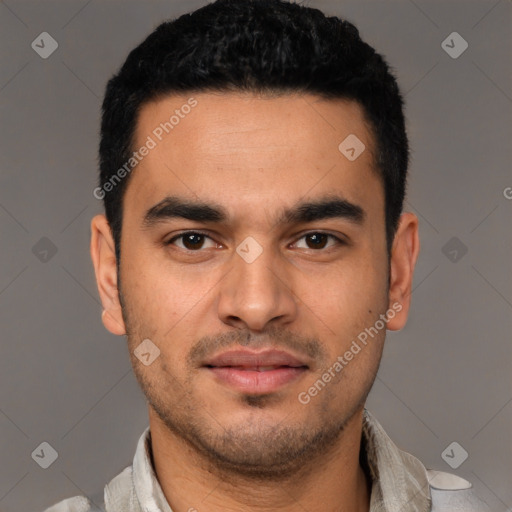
328, 207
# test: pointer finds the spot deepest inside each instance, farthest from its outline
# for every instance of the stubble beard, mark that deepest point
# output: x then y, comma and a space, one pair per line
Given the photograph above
255, 450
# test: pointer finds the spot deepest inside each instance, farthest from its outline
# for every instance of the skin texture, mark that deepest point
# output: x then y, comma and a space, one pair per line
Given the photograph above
215, 447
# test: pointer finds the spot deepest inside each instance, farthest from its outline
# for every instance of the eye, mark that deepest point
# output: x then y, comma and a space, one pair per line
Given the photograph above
194, 241
191, 240
317, 240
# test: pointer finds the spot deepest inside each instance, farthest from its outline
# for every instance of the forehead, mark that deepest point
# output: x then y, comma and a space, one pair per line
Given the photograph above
246, 149
230, 117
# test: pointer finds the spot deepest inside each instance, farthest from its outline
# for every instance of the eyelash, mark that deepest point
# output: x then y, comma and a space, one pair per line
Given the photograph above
338, 240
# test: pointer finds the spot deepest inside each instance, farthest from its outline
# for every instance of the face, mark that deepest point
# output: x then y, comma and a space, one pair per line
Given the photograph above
253, 256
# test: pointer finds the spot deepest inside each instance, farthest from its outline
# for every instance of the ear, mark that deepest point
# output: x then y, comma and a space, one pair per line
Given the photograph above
104, 260
404, 253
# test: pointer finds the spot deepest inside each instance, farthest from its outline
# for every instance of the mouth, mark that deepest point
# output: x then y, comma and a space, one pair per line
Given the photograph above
256, 372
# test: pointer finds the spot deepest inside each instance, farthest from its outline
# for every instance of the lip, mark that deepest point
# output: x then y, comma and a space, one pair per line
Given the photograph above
256, 372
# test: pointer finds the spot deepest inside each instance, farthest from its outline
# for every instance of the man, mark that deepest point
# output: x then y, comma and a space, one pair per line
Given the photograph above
254, 252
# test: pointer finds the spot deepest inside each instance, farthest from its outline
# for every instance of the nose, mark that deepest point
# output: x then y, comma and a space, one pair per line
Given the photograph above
257, 293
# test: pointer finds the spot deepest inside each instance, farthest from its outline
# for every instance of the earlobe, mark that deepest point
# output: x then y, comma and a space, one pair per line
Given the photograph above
104, 261
404, 254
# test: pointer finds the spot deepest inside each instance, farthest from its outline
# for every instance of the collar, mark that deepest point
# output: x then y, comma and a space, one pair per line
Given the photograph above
145, 483
399, 481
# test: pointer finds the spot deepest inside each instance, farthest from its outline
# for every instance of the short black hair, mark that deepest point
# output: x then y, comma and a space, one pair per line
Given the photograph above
260, 46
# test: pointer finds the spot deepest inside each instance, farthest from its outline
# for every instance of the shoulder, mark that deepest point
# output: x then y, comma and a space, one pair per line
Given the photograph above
117, 492
451, 493
75, 504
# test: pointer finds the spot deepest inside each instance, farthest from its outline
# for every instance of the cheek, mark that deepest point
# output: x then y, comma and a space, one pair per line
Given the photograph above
354, 289
156, 287
162, 304
350, 302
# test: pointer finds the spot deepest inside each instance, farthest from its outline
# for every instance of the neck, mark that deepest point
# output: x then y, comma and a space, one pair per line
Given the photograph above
191, 483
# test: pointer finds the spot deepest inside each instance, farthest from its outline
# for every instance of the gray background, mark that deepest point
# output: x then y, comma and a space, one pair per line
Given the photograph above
65, 380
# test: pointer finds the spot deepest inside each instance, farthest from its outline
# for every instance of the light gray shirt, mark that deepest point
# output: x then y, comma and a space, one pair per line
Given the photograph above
400, 482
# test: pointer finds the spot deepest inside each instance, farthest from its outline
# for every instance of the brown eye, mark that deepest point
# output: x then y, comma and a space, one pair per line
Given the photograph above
190, 241
193, 241
319, 240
